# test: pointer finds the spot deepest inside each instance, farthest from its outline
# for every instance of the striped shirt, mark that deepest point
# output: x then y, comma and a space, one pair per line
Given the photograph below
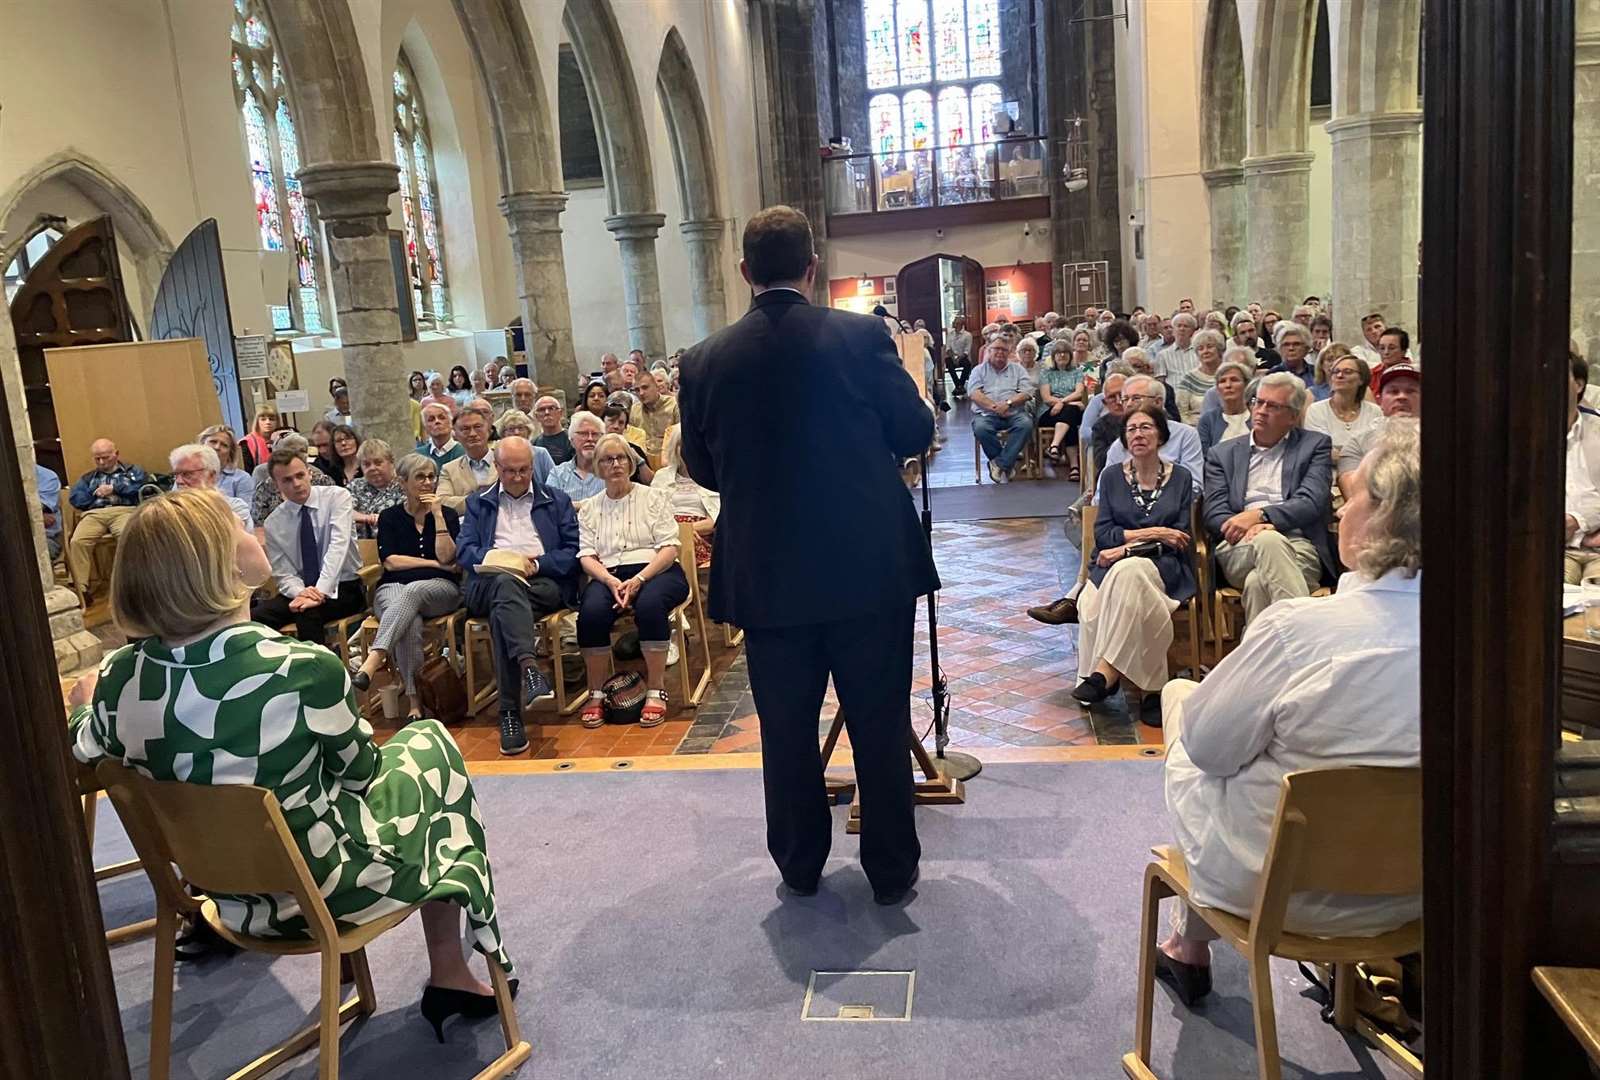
629, 530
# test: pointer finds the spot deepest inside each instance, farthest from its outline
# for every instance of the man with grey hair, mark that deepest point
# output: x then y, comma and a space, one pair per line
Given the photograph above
1268, 500
1150, 333
1178, 359
266, 497
576, 476
1294, 346
1183, 442
196, 465
438, 424
552, 429
523, 393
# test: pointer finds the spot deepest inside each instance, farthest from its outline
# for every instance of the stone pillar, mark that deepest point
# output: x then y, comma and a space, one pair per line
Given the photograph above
1586, 180
353, 201
1377, 219
641, 280
1229, 235
534, 219
704, 239
1277, 191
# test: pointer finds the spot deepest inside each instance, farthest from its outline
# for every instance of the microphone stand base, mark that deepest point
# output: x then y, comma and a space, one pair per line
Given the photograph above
959, 766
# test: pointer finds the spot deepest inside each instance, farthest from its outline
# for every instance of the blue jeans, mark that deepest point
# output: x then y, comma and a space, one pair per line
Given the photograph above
1018, 427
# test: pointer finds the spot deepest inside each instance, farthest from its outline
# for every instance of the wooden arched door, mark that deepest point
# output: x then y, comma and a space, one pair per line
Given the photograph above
939, 287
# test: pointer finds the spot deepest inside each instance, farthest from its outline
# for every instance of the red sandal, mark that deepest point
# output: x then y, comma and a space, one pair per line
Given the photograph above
655, 709
594, 713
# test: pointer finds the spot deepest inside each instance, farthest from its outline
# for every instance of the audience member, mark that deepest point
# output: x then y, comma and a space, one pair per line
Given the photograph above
267, 498
594, 398
1137, 359
1268, 500
474, 470
1230, 418
417, 546
1062, 394
1180, 357
376, 489
517, 516
417, 386
1321, 334
628, 547
311, 542
196, 465
339, 412
1346, 414
1150, 339
181, 594
257, 446
1140, 571
322, 447
346, 445
516, 422
1118, 336
461, 386
1294, 345
552, 434
654, 414
524, 396
1399, 394
691, 503
441, 448
1001, 394
1026, 353
1394, 347
958, 346
1372, 328
104, 498
1107, 427
1190, 388
232, 481
437, 394
1313, 685
615, 419
1269, 325
576, 476
49, 487
1180, 443
1581, 556
1215, 321
1322, 385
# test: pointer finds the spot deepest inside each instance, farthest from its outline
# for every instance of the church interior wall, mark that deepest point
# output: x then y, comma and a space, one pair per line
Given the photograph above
992, 245
1319, 252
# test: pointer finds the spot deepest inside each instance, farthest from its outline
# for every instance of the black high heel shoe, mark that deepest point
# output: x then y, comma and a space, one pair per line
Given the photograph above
361, 681
1190, 982
440, 1003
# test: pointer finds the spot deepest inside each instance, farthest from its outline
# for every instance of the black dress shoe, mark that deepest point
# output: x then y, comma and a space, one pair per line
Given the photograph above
1150, 710
361, 681
440, 1003
1055, 613
799, 890
1093, 690
1190, 982
894, 896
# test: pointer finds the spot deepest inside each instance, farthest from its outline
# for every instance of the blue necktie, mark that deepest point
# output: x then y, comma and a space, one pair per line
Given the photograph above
310, 556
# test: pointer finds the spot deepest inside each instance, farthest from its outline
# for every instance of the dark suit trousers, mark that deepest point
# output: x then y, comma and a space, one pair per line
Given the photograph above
870, 660
311, 624
512, 609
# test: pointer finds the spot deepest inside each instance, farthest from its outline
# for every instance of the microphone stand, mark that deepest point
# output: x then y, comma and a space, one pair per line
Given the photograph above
955, 764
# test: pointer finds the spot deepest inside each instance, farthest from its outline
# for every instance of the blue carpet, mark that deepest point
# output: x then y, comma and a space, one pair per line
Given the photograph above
643, 913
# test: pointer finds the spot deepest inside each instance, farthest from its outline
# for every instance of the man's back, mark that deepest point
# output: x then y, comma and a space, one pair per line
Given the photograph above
797, 415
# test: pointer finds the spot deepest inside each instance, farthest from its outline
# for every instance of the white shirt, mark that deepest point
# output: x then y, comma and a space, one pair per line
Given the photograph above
1321, 417
1367, 353
626, 531
333, 519
1316, 683
1234, 426
1173, 363
1263, 486
513, 526
960, 342
689, 499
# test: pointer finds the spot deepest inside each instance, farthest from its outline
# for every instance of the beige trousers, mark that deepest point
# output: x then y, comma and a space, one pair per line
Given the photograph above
1185, 923
1270, 568
1127, 622
1580, 563
93, 526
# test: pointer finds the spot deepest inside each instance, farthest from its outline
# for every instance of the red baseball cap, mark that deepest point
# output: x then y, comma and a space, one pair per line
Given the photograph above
1398, 371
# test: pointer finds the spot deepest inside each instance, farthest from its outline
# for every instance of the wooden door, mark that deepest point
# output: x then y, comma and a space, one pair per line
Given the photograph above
192, 302
972, 275
72, 296
917, 290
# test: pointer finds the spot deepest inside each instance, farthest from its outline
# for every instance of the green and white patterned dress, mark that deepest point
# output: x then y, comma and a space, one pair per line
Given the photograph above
380, 829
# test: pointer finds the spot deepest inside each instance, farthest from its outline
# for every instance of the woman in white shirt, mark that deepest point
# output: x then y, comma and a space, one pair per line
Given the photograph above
1230, 417
1346, 414
628, 545
691, 503
1193, 384
1317, 683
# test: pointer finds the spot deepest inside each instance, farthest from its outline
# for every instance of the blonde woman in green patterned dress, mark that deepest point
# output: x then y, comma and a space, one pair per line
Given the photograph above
205, 696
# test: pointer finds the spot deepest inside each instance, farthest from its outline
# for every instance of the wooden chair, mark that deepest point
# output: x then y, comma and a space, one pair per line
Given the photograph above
1192, 608
89, 794
233, 839
437, 633
1225, 601
106, 543
1029, 465
481, 687
1356, 831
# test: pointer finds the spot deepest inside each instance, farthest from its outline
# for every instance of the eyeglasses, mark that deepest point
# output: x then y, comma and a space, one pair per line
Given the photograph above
1139, 429
1271, 408
1113, 397
614, 459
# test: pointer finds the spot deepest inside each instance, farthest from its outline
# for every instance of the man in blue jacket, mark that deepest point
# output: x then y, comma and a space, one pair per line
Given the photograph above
104, 498
539, 524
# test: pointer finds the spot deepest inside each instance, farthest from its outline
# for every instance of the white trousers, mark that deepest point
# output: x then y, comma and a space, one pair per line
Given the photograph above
1185, 923
1127, 622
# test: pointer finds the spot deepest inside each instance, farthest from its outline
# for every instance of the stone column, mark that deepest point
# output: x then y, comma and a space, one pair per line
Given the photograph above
1229, 234
1377, 219
534, 218
704, 239
1586, 180
1277, 191
641, 280
353, 201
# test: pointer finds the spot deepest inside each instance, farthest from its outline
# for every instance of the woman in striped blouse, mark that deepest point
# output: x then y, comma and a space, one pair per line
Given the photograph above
628, 545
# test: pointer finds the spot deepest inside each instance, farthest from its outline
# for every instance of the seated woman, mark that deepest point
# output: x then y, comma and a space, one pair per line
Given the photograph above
417, 545
516, 422
1232, 417
1317, 683
232, 481
628, 545
617, 423
257, 446
380, 829
1062, 394
376, 489
691, 503
1192, 385
1346, 414
1125, 608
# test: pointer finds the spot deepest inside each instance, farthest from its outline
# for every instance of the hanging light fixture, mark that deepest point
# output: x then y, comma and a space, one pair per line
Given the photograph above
1075, 166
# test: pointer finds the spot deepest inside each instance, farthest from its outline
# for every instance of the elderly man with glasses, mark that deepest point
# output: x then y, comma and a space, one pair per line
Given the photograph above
1268, 500
1183, 441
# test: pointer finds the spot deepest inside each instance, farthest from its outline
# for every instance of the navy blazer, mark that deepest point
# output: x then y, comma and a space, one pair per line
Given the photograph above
1307, 505
555, 519
800, 416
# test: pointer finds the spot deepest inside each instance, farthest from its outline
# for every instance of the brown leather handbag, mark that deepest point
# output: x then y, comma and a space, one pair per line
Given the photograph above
443, 693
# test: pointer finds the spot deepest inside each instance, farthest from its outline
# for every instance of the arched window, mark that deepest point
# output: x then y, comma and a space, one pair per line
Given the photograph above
934, 55
274, 150
419, 203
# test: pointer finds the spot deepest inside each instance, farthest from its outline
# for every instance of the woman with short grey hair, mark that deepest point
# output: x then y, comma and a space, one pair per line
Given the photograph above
417, 545
1192, 385
375, 490
516, 422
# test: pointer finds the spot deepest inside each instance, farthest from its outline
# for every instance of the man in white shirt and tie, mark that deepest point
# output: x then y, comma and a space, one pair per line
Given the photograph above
311, 543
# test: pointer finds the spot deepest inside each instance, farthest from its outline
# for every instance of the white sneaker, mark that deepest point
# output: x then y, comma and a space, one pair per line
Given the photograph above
1005, 477
994, 472
672, 653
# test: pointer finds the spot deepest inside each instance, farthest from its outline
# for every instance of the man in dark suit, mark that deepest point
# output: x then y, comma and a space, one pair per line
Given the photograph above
1268, 499
820, 557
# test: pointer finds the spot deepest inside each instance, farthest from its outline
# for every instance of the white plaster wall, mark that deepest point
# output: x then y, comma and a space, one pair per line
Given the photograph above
1319, 248
992, 245
594, 279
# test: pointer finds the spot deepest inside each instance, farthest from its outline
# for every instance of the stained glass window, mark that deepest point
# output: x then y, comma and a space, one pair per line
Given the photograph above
912, 16
918, 112
950, 38
883, 65
985, 100
273, 146
955, 125
413, 150
884, 115
983, 37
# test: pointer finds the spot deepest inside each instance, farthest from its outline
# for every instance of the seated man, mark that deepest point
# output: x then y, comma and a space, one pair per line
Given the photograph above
195, 465
521, 516
474, 469
1399, 394
576, 477
311, 544
523, 395
1001, 392
104, 498
265, 498
552, 430
1183, 442
440, 445
1268, 500
655, 413
49, 486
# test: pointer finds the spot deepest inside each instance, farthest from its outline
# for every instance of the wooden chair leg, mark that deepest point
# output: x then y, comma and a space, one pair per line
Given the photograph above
683, 655
161, 992
1268, 1064
1149, 921
1344, 996
366, 995
517, 1049
328, 1017
91, 810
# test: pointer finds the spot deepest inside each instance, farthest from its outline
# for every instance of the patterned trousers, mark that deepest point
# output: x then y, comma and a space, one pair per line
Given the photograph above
400, 608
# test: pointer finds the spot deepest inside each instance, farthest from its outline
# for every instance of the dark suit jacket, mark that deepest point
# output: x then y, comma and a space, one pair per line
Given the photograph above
554, 518
799, 415
1307, 505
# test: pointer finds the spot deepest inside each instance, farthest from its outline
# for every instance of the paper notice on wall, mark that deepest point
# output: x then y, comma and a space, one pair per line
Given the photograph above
250, 355
293, 401
1019, 303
